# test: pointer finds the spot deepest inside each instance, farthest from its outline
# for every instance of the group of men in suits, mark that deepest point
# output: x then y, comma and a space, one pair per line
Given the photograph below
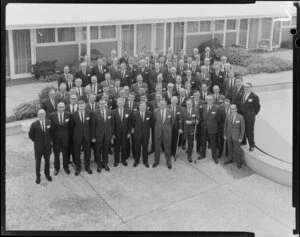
123, 105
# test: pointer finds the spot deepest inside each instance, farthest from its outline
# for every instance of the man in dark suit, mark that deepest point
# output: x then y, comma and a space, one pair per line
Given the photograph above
62, 95
176, 124
124, 75
145, 72
190, 118
86, 95
95, 86
108, 81
229, 84
142, 122
115, 91
223, 111
209, 128
50, 104
181, 68
63, 77
100, 70
163, 119
178, 85
40, 133
122, 131
249, 108
182, 98
102, 131
188, 90
84, 75
70, 82
61, 136
204, 77
125, 58
218, 98
237, 90
169, 93
195, 53
159, 83
204, 92
208, 54
171, 78
217, 78
194, 70
81, 126
154, 75
80, 91
234, 129
192, 80
132, 68
114, 69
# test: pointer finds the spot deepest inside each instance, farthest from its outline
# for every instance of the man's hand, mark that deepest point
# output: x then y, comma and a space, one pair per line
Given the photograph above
93, 140
128, 136
240, 140
180, 131
225, 138
188, 122
114, 137
132, 130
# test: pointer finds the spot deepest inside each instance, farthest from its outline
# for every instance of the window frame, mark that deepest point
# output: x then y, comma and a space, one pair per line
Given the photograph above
56, 42
99, 39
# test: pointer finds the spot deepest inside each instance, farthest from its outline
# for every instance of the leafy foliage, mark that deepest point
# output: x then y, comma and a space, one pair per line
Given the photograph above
235, 55
213, 44
44, 93
27, 110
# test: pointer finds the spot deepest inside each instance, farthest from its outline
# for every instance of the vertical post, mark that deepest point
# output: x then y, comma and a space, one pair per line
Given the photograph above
280, 32
237, 41
88, 39
224, 36
32, 46
184, 37
172, 37
78, 39
119, 40
212, 29
165, 38
153, 36
248, 33
272, 33
55, 35
134, 39
259, 28
11, 54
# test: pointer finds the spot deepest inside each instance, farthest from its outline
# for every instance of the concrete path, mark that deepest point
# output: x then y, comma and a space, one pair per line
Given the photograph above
200, 196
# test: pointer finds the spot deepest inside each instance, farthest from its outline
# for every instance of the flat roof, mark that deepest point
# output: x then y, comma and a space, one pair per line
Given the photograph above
28, 16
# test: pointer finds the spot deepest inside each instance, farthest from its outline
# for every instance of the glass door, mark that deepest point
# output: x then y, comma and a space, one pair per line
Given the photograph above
22, 51
276, 34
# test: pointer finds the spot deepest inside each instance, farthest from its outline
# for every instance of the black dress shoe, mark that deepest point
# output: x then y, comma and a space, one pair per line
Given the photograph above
99, 169
49, 178
77, 172
201, 157
219, 155
89, 171
216, 160
190, 160
239, 165
116, 164
110, 152
228, 162
154, 165
125, 163
251, 148
106, 168
67, 171
169, 167
186, 152
183, 147
147, 165
38, 180
55, 172
135, 164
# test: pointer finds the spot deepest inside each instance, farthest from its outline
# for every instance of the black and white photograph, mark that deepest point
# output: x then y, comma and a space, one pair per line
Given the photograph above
149, 117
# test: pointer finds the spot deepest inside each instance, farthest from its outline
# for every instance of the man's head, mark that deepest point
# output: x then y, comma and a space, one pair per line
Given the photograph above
158, 88
141, 91
73, 99
130, 60
158, 96
182, 92
88, 90
117, 83
157, 66
216, 89
239, 81
78, 82
51, 93
142, 106
62, 87
61, 107
170, 87
188, 85
66, 69
204, 87
126, 89
203, 68
207, 49
173, 70
223, 59
125, 54
94, 79
107, 76
162, 103
189, 60
194, 64
231, 74
92, 98
143, 97
81, 105
178, 79
248, 87
115, 61
195, 51
209, 100
87, 58
100, 61
113, 53
122, 94
189, 103
41, 114
70, 78
227, 103
197, 57
196, 95
233, 109
188, 72
181, 62
102, 104
105, 88
174, 100
159, 78
83, 66
227, 67
206, 61
123, 66
105, 96
131, 96
147, 59
217, 67
120, 102
139, 78
142, 63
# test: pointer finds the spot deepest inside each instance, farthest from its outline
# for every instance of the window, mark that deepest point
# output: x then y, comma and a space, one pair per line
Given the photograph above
294, 23
160, 36
108, 32
128, 38
192, 26
83, 33
143, 37
231, 25
45, 35
286, 23
204, 26
219, 25
94, 32
66, 34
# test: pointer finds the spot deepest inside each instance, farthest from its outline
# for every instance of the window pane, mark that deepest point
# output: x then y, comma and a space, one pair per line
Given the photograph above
168, 36
204, 26
128, 38
66, 34
160, 36
219, 25
266, 28
143, 37
243, 32
94, 32
45, 35
192, 26
7, 69
83, 33
294, 20
22, 51
286, 23
231, 25
178, 36
108, 32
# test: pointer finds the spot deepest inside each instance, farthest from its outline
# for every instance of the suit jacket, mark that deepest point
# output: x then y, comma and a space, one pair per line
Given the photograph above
82, 91
125, 80
234, 130
209, 119
251, 106
113, 92
68, 108
177, 116
41, 139
195, 71
86, 78
160, 127
194, 117
68, 87
85, 98
114, 72
166, 96
181, 71
133, 70
100, 75
61, 131
97, 88
183, 104
61, 78
211, 56
204, 79
218, 79
175, 88
105, 83
142, 128
227, 88
135, 87
121, 128
145, 74
81, 130
171, 79
219, 100
199, 103
123, 60
201, 94
48, 107
236, 93
60, 98
89, 107
102, 128
135, 107
195, 85
154, 104
222, 114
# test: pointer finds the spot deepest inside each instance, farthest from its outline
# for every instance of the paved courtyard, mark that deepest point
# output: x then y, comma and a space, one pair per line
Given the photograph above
200, 196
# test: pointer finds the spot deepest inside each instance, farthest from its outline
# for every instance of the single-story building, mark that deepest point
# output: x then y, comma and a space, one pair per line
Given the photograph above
64, 32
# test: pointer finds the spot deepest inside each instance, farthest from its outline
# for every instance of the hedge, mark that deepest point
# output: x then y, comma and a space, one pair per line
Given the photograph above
235, 55
27, 110
287, 44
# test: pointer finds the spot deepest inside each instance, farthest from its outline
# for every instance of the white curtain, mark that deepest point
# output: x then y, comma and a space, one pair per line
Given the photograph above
7, 65
243, 32
94, 32
178, 36
143, 37
108, 32
266, 28
45, 35
22, 51
160, 36
276, 33
253, 34
168, 36
128, 38
66, 34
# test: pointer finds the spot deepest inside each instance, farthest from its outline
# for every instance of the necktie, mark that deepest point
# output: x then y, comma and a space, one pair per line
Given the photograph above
208, 108
70, 85
190, 114
245, 96
117, 91
121, 115
93, 107
178, 87
174, 111
233, 117
217, 73
61, 121
81, 117
143, 118
103, 115
62, 95
130, 106
53, 104
79, 91
181, 100
161, 114
95, 89
123, 74
203, 95
101, 69
43, 126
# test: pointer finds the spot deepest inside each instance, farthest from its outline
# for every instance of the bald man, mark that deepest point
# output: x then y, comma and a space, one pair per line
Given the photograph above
40, 133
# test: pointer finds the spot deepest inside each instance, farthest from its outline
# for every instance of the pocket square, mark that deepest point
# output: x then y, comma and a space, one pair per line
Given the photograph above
48, 126
88, 118
250, 100
213, 112
237, 121
147, 118
108, 117
169, 116
126, 115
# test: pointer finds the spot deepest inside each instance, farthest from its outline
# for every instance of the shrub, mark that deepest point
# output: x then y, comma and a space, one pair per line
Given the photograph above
254, 68
235, 55
282, 63
44, 68
239, 70
44, 93
213, 44
270, 68
287, 44
27, 110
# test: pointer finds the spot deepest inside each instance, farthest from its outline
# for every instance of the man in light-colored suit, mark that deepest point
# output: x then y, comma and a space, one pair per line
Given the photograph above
162, 118
136, 86
234, 129
218, 98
